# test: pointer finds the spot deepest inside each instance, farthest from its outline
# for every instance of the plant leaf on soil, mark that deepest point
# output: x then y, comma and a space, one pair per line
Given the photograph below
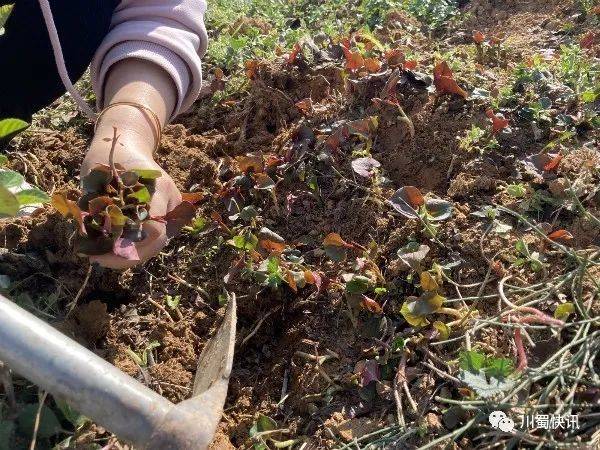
407, 201
438, 209
10, 127
563, 311
444, 82
415, 309
365, 167
412, 254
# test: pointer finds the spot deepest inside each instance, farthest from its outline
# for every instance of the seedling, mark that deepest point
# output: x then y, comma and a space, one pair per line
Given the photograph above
534, 260
115, 205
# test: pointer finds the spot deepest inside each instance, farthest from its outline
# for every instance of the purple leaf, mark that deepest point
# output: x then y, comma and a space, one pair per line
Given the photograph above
126, 249
365, 167
368, 370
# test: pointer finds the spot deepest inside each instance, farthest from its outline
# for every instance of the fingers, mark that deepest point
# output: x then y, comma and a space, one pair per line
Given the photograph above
156, 239
166, 197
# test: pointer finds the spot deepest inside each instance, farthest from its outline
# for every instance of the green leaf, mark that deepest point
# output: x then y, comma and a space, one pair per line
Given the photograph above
415, 309
438, 209
148, 174
10, 127
522, 247
499, 367
563, 310
472, 361
244, 241
516, 190
443, 330
356, 284
589, 96
32, 196
142, 195
48, 425
11, 179
76, 419
5, 12
3, 160
172, 301
398, 343
9, 204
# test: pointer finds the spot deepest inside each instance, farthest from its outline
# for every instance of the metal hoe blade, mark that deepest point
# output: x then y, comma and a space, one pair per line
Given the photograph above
112, 399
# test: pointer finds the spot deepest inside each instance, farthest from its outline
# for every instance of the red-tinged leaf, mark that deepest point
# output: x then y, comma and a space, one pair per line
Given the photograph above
559, 235
373, 65
337, 138
395, 57
291, 281
406, 200
273, 161
589, 40
354, 60
251, 162
251, 68
335, 240
364, 127
371, 305
365, 167
368, 370
272, 246
444, 82
70, 209
499, 123
478, 37
305, 105
263, 182
552, 166
180, 216
411, 64
192, 197
126, 249
294, 53
99, 204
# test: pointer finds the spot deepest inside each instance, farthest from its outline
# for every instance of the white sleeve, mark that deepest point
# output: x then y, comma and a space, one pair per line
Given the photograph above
170, 33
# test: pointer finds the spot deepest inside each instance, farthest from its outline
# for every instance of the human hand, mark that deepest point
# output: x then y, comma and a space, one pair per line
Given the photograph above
133, 154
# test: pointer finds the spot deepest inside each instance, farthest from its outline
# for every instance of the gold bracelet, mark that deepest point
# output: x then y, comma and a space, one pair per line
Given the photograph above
145, 111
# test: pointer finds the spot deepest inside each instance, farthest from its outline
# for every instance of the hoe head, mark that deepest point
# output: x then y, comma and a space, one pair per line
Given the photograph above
192, 423
109, 397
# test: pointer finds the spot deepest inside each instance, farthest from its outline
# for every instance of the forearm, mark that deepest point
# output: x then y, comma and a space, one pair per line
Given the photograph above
142, 82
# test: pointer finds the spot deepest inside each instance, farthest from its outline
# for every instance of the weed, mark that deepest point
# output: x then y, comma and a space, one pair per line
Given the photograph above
478, 140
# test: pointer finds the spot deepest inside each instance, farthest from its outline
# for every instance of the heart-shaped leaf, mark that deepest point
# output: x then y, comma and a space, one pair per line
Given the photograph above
179, 217
412, 254
407, 201
96, 180
438, 209
365, 167
415, 309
